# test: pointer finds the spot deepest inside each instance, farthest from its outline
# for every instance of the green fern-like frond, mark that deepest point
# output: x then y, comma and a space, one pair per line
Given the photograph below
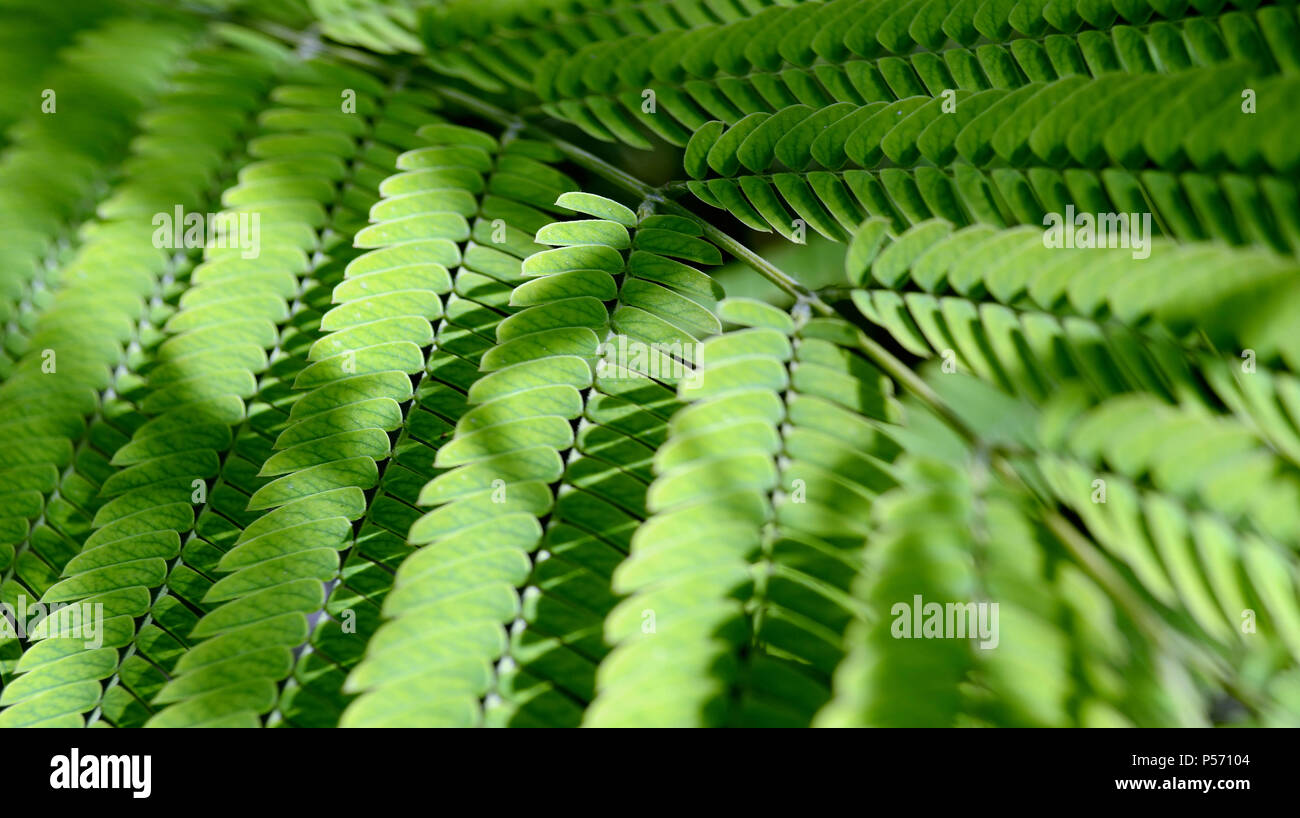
554, 361
620, 363
955, 533
739, 581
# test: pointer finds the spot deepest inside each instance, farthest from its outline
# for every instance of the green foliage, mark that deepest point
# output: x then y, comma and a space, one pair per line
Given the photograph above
491, 425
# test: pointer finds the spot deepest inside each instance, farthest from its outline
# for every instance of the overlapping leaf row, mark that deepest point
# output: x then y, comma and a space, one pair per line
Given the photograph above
66, 411
1044, 329
936, 302
202, 370
1062, 653
250, 614
383, 26
1038, 355
57, 160
519, 188
228, 319
858, 52
360, 378
922, 544
1181, 511
665, 307
520, 480
33, 35
1269, 400
501, 45
1208, 542
739, 582
504, 187
1008, 157
1178, 296
1189, 538
119, 267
